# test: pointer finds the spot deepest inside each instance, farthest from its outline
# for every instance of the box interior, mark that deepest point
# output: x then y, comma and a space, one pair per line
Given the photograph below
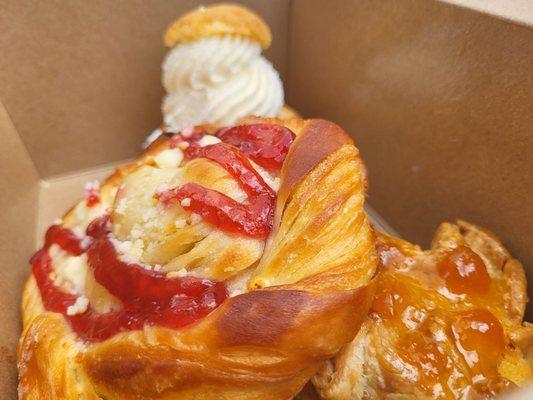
441, 114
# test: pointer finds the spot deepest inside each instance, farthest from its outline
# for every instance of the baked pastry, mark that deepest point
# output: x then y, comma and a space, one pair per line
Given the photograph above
223, 263
444, 323
215, 73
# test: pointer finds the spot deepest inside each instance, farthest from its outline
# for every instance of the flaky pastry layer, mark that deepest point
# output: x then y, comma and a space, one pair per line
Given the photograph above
305, 299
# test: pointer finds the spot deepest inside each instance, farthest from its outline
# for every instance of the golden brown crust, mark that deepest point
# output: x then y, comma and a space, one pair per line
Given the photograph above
48, 360
309, 149
263, 344
220, 19
319, 198
248, 348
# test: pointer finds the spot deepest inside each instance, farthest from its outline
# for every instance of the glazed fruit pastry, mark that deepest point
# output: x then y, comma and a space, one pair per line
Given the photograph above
226, 262
444, 323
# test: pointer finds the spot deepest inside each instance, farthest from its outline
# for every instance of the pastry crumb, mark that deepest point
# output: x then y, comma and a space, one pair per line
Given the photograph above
79, 307
177, 274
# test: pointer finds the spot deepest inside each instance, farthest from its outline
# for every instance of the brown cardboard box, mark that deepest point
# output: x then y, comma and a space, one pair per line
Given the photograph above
439, 98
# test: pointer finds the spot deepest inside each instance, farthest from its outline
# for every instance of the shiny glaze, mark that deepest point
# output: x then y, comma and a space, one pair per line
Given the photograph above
426, 355
464, 272
411, 306
480, 338
54, 299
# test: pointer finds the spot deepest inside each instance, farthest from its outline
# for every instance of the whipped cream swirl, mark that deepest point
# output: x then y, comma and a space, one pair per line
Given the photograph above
219, 80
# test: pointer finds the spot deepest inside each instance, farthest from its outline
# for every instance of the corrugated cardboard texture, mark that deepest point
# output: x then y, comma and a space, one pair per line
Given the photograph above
81, 79
18, 183
439, 100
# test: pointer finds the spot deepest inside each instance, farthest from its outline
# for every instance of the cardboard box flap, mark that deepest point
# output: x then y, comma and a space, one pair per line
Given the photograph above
18, 215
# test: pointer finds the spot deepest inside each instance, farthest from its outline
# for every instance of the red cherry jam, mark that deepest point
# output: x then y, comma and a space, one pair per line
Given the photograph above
91, 193
64, 238
267, 145
149, 297
131, 282
253, 219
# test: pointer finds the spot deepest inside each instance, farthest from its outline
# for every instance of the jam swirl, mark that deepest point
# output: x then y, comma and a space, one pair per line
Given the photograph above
253, 219
131, 282
54, 299
149, 297
267, 145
